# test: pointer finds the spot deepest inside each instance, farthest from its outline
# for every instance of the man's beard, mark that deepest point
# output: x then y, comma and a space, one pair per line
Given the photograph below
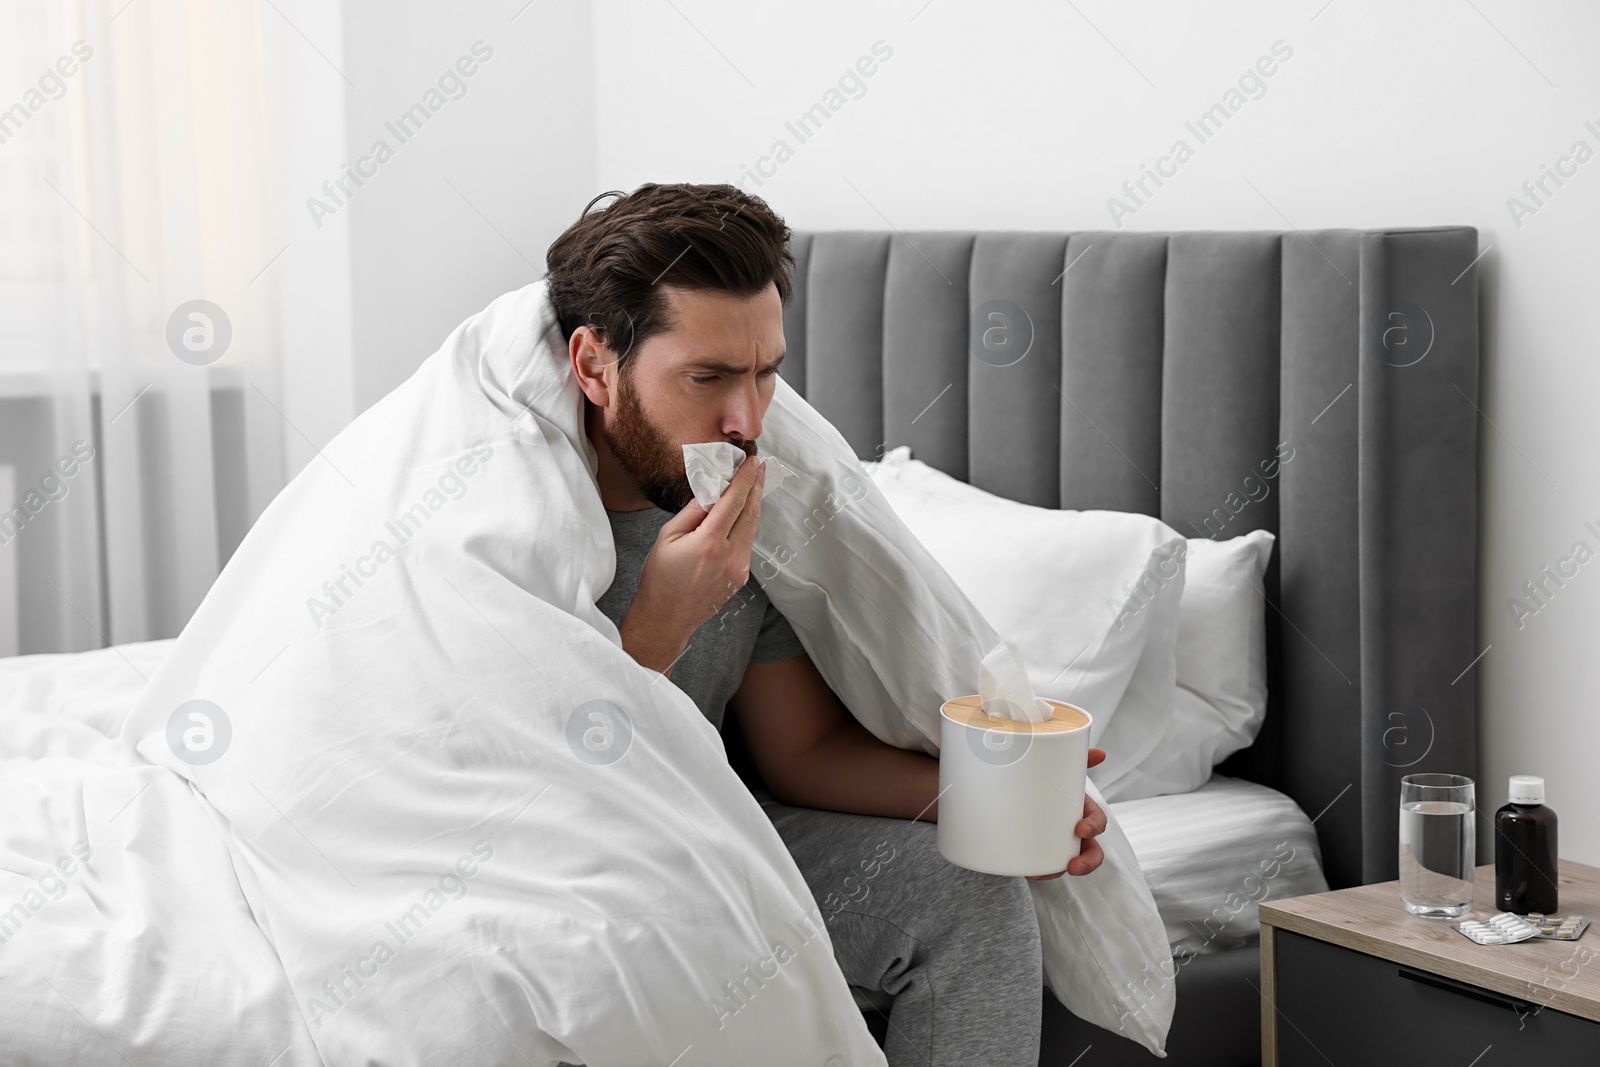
646, 453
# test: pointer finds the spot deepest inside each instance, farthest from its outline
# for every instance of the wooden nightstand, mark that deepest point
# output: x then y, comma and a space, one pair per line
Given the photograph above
1349, 977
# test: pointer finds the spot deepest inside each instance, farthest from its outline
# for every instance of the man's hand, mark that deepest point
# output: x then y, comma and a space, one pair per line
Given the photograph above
700, 560
814, 754
1089, 827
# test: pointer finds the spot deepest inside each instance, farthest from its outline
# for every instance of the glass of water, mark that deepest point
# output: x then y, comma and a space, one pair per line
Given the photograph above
1438, 844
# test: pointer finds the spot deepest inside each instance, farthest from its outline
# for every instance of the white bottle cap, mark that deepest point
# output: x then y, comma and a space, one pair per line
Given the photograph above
1527, 789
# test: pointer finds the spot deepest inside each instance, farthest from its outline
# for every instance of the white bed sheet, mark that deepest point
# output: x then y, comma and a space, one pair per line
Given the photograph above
1211, 856
108, 957
1214, 854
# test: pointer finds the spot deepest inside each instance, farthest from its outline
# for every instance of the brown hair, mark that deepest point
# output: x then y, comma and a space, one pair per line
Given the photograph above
606, 270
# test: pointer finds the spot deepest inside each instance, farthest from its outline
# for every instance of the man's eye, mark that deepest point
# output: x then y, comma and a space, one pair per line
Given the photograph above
706, 379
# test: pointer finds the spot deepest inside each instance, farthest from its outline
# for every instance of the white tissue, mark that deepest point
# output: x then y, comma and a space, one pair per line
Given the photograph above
711, 466
1003, 687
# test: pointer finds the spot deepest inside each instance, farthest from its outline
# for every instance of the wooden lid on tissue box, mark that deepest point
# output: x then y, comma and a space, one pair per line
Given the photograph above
1063, 718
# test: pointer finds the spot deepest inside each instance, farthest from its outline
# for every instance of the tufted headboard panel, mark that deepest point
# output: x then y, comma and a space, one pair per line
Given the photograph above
1323, 386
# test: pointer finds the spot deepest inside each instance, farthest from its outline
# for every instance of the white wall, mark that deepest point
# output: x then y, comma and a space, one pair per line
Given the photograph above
313, 270
467, 205
1030, 115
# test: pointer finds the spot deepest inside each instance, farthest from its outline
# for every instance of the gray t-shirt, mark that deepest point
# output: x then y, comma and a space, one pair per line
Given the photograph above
747, 629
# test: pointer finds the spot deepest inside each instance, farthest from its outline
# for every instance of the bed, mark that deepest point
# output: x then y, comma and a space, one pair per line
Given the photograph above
1159, 372
1161, 368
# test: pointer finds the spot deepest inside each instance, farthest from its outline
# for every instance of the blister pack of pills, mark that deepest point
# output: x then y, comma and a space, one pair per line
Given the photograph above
1502, 929
1558, 927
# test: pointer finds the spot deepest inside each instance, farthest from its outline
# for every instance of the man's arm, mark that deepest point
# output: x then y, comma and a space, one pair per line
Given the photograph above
814, 754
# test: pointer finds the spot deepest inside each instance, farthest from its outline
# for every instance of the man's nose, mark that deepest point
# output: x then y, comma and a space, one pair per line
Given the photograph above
743, 418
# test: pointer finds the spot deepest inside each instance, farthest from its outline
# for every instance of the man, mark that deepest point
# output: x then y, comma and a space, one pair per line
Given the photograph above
671, 300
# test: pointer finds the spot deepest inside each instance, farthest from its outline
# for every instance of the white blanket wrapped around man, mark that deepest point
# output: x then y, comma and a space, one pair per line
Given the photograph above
474, 829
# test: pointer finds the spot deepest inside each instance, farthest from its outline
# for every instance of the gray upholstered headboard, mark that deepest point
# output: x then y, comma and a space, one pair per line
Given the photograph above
1168, 374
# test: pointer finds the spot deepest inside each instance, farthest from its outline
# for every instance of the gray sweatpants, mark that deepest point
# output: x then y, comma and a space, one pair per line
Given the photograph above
957, 950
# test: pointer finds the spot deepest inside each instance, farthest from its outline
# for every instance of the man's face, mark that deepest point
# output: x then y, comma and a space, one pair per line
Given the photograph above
709, 378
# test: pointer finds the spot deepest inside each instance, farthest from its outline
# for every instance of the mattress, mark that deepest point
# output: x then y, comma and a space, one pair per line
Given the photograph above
1211, 856
1214, 854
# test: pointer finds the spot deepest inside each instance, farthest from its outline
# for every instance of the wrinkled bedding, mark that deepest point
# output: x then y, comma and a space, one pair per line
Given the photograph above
397, 795
125, 933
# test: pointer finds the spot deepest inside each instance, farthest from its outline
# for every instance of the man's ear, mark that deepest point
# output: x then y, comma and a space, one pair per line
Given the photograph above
594, 364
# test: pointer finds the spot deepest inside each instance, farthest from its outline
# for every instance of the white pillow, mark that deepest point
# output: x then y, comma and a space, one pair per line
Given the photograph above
1221, 696
1109, 646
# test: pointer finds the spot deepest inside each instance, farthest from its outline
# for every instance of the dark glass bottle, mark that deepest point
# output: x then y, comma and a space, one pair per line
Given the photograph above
1525, 850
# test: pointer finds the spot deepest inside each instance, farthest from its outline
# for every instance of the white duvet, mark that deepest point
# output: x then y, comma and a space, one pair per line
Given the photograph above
430, 811
124, 933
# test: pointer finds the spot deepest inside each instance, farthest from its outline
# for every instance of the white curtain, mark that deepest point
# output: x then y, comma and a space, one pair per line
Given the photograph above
139, 370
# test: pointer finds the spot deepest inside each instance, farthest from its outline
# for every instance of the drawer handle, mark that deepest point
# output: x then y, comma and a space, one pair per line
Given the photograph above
1521, 1007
